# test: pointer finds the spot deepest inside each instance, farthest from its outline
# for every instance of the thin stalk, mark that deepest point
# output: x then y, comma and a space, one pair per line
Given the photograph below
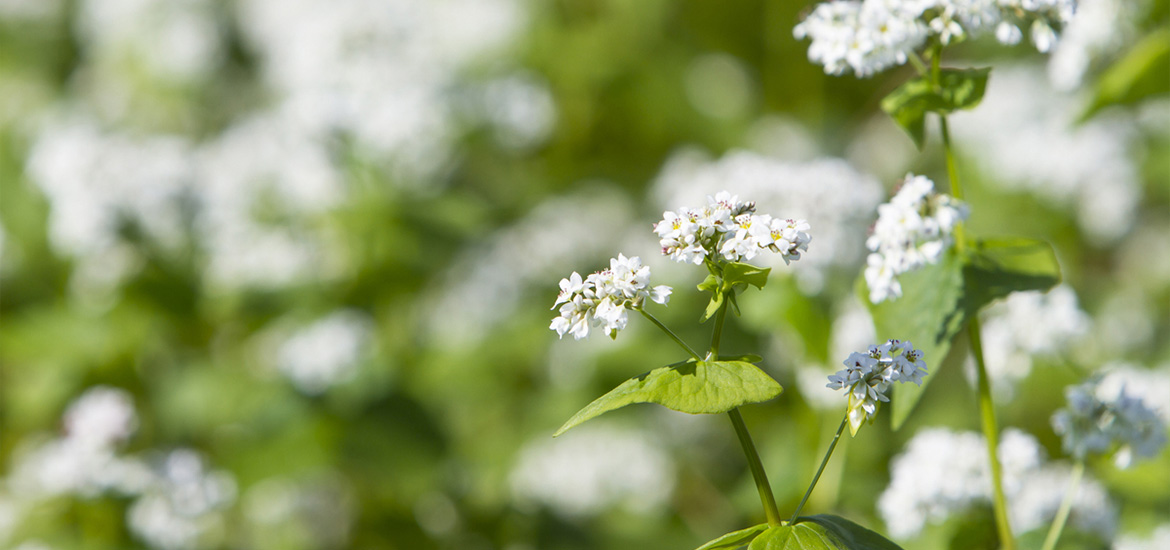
1065, 507
820, 470
919, 64
671, 334
953, 174
991, 433
756, 467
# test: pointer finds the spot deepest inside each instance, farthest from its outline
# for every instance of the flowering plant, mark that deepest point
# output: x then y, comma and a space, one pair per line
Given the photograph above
721, 236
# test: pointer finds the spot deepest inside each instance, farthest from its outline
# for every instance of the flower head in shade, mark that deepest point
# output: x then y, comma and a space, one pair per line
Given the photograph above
914, 229
867, 376
730, 230
603, 299
1123, 425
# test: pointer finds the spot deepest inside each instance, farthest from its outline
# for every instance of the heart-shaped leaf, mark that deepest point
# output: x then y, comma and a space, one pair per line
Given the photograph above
937, 300
821, 532
691, 386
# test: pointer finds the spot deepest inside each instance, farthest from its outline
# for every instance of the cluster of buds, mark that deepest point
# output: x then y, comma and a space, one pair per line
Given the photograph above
867, 376
1092, 424
604, 298
729, 229
914, 229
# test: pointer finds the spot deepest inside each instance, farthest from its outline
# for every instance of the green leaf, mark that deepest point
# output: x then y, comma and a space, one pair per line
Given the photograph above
1142, 72
711, 284
735, 539
821, 532
957, 89
735, 273
938, 300
928, 315
695, 387
997, 267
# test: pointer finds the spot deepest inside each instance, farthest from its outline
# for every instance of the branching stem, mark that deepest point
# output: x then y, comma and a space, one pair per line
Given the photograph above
820, 470
670, 333
1065, 507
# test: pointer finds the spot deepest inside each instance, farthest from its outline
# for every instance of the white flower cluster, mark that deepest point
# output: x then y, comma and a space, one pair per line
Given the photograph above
869, 36
1027, 327
325, 353
179, 510
1092, 425
176, 501
942, 473
867, 376
729, 228
604, 298
594, 468
914, 229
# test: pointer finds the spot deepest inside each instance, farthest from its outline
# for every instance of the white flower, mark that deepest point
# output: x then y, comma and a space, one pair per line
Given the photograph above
603, 299
869, 36
594, 468
1092, 425
728, 228
325, 353
867, 376
914, 229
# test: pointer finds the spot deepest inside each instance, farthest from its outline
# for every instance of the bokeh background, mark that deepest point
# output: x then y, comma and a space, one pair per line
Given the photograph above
277, 273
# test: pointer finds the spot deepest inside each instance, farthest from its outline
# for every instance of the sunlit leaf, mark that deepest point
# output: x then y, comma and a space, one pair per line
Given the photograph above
1142, 72
695, 387
735, 539
957, 89
821, 532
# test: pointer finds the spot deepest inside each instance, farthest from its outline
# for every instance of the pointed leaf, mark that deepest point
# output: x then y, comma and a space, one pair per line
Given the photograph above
929, 314
957, 89
735, 539
711, 284
695, 387
998, 267
736, 272
938, 299
1138, 74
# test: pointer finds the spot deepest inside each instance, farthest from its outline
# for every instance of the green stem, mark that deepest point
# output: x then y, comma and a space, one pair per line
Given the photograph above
953, 174
820, 470
1065, 507
991, 433
919, 64
720, 317
756, 467
671, 334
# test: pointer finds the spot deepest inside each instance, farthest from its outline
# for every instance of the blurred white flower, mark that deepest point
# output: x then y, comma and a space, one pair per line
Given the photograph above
1029, 134
325, 353
520, 110
593, 468
85, 461
489, 279
914, 229
181, 508
101, 417
171, 39
1159, 539
1099, 28
942, 473
377, 70
1030, 325
1093, 423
